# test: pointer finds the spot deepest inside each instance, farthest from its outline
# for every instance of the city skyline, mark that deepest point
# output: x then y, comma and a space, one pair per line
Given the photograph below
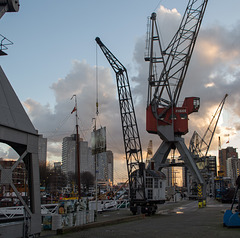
46, 84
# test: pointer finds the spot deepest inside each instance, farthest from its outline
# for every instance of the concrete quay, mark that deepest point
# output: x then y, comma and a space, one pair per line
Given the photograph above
180, 219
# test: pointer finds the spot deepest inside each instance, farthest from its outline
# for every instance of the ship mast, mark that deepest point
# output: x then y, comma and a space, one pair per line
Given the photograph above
77, 149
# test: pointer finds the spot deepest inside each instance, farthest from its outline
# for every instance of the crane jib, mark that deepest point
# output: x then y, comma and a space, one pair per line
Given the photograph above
131, 138
164, 90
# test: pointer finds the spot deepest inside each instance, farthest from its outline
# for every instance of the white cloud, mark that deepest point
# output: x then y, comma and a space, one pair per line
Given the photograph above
6, 152
213, 71
59, 123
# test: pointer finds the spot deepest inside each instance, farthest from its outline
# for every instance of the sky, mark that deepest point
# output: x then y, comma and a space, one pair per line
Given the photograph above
55, 56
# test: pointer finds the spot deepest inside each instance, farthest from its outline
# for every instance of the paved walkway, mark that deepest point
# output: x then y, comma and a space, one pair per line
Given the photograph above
182, 219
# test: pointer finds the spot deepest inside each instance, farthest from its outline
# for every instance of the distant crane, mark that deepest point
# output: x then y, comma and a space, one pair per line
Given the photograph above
149, 151
164, 117
198, 146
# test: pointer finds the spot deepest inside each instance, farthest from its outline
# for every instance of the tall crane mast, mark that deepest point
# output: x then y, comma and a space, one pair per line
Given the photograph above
132, 144
164, 116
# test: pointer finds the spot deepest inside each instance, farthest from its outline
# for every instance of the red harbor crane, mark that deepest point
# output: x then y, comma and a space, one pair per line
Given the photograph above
167, 71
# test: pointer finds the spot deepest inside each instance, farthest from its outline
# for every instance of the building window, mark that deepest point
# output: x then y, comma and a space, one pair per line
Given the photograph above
183, 116
149, 182
135, 182
160, 184
173, 117
150, 194
155, 183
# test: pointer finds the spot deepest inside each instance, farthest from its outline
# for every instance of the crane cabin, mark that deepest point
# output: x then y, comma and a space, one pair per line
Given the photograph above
155, 186
175, 116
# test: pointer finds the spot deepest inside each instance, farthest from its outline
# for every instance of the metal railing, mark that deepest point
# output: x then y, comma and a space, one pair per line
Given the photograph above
18, 211
4, 43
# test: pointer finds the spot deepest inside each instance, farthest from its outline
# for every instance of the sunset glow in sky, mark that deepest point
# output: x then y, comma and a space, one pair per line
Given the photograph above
54, 56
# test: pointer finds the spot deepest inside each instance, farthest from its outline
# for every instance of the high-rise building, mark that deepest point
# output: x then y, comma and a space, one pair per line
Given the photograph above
87, 162
68, 154
168, 171
69, 163
229, 152
57, 166
233, 166
211, 164
110, 165
42, 151
105, 167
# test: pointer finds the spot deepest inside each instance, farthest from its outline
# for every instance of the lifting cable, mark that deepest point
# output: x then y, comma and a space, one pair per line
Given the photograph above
158, 5
59, 126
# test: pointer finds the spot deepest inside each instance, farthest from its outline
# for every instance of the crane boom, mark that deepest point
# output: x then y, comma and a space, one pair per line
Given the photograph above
164, 91
176, 57
132, 143
198, 146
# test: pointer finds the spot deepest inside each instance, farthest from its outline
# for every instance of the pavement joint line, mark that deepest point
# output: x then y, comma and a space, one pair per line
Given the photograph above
98, 224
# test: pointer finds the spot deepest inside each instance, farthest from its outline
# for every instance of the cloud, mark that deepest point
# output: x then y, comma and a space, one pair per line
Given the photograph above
213, 72
3, 153
58, 123
6, 152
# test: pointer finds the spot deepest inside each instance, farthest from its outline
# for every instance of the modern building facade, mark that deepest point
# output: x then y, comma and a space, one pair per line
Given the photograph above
105, 167
233, 166
224, 154
169, 172
211, 164
69, 154
69, 161
42, 151
104, 160
87, 161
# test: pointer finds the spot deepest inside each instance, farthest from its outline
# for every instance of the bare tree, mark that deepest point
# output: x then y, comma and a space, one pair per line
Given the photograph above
87, 180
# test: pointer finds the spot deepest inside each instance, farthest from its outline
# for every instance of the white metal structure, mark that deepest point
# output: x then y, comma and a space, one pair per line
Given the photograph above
17, 131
